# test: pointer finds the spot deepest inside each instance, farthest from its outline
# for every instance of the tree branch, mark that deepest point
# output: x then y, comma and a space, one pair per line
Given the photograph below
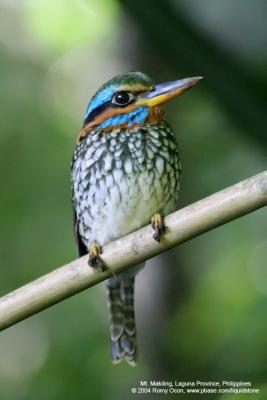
182, 225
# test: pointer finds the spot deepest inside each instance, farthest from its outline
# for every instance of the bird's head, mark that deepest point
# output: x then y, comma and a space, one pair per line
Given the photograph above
130, 100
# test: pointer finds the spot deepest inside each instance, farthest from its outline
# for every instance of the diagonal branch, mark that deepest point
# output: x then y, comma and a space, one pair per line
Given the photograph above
182, 225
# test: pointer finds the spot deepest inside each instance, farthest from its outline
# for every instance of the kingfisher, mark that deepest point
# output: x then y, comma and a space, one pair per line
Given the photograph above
125, 174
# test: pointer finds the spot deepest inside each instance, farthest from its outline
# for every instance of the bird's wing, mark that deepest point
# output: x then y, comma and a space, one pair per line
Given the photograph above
82, 250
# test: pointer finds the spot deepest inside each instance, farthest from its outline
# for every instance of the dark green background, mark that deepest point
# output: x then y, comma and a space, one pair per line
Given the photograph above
201, 309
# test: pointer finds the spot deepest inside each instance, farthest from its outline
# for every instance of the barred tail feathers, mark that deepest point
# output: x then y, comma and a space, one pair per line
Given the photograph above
122, 319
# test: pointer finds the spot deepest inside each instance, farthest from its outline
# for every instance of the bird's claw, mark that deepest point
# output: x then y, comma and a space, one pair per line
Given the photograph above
158, 225
94, 259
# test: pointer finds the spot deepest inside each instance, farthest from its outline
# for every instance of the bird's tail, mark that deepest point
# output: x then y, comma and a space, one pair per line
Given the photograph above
122, 319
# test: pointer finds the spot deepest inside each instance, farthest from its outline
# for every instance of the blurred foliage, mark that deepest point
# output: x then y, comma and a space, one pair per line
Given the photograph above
69, 23
200, 308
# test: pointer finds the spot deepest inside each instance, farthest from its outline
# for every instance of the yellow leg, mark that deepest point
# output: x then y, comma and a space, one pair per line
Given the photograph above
94, 256
157, 222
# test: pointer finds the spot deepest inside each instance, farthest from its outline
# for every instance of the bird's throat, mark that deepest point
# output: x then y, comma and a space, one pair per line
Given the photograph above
155, 115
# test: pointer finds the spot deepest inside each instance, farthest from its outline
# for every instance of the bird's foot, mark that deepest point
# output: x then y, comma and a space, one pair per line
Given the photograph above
157, 222
95, 260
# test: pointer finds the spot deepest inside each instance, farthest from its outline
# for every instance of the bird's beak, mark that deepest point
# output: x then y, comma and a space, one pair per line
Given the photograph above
167, 91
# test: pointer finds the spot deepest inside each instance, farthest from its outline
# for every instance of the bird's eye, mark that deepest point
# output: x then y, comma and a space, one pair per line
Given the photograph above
122, 98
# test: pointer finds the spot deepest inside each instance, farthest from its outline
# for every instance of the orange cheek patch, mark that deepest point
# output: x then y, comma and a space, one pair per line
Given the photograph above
154, 117
110, 112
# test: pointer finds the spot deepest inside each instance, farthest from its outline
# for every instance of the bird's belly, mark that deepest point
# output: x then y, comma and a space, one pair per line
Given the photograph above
129, 203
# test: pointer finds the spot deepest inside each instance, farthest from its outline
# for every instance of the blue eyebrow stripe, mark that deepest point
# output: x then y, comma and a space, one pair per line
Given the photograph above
100, 99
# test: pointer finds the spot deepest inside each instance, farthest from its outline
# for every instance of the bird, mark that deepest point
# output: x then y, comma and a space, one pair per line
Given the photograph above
125, 173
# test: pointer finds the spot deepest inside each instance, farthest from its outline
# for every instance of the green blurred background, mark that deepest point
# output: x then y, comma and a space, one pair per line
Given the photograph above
201, 309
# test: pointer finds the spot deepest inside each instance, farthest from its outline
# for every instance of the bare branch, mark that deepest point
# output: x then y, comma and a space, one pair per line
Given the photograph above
134, 248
